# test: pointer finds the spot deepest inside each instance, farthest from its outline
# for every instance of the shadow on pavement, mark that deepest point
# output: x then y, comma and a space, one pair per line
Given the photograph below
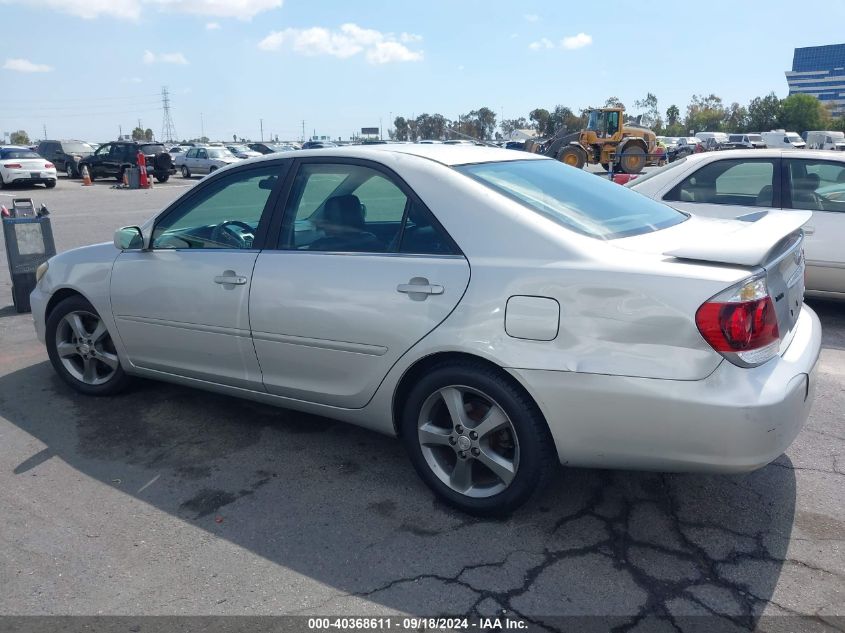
343, 506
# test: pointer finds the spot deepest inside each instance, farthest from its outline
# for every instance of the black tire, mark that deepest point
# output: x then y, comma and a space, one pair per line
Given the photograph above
186, 173
120, 173
50, 184
573, 156
116, 383
633, 159
162, 177
537, 455
212, 169
1, 182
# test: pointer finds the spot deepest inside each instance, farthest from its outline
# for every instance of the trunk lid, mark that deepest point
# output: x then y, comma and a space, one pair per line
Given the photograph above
771, 241
33, 164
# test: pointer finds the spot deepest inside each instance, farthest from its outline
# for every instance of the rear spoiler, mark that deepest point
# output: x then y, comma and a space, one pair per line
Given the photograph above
750, 244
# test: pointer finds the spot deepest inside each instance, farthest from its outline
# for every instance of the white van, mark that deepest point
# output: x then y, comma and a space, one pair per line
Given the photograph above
782, 138
826, 139
721, 137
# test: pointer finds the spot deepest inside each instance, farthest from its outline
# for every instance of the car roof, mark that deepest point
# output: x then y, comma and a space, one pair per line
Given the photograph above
449, 155
766, 153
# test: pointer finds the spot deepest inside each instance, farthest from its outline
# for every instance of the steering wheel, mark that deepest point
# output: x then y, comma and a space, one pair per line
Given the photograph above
224, 234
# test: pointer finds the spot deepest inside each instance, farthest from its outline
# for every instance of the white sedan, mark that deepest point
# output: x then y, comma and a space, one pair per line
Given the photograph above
500, 312
737, 183
22, 166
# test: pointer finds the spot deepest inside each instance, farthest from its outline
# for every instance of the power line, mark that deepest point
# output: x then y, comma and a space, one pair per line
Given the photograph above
82, 99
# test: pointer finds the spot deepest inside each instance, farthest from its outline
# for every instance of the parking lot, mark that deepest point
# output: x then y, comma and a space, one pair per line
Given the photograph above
168, 500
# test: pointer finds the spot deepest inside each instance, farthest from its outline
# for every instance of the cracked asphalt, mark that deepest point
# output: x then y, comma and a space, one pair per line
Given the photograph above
170, 501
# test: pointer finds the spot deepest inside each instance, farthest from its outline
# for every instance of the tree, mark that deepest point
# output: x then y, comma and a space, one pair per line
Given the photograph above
672, 115
138, 134
509, 125
736, 118
799, 113
19, 138
705, 114
564, 119
540, 119
148, 134
431, 126
613, 102
400, 126
650, 115
485, 122
764, 113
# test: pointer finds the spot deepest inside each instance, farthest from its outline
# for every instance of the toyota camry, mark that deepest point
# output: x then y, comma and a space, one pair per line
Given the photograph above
499, 312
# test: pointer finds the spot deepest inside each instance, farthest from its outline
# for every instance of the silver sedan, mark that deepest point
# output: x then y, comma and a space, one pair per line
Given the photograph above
203, 160
499, 312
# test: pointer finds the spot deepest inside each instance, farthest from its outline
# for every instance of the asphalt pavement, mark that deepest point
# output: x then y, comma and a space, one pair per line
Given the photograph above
172, 501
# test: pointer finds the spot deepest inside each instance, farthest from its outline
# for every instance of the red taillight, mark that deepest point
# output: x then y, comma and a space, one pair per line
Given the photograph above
738, 327
48, 165
12, 165
741, 323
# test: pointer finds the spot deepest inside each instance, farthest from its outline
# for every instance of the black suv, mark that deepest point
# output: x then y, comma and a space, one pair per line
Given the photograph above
111, 159
65, 155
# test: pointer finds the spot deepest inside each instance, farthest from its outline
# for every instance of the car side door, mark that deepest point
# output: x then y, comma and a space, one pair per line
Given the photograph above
201, 161
818, 185
361, 271
99, 158
182, 304
728, 188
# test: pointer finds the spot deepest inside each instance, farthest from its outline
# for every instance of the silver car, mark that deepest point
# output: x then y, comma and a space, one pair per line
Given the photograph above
499, 312
737, 183
203, 160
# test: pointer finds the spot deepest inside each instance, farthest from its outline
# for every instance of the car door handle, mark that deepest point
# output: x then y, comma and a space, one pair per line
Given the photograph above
235, 280
423, 288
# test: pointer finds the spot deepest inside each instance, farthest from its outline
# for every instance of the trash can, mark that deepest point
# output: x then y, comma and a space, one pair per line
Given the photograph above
133, 176
29, 243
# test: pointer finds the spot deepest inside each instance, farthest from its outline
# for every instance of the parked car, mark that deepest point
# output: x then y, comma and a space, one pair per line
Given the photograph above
270, 148
242, 151
318, 144
826, 140
204, 160
598, 328
65, 155
112, 159
713, 144
720, 137
737, 183
685, 146
783, 139
744, 141
22, 166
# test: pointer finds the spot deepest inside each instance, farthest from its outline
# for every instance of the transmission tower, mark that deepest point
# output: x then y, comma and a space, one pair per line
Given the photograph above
168, 130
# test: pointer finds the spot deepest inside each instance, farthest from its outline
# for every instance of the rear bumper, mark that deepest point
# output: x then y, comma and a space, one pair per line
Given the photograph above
734, 420
24, 176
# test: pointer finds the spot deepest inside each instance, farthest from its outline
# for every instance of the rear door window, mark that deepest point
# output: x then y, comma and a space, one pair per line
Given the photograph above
815, 185
749, 183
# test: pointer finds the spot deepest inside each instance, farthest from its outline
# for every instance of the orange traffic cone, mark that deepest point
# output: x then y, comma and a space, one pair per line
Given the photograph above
86, 177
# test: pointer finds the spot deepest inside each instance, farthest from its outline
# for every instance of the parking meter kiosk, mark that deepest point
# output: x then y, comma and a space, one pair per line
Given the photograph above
29, 243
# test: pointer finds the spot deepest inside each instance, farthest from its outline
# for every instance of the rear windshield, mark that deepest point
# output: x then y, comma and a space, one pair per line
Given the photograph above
576, 199
77, 148
18, 153
153, 149
755, 137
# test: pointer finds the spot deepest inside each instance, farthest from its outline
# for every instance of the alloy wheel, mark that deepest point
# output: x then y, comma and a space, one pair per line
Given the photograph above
85, 348
468, 441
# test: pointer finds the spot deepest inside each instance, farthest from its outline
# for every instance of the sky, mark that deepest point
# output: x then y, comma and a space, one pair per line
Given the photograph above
85, 68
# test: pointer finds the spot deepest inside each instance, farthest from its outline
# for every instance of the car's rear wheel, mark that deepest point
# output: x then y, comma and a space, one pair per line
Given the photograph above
50, 184
120, 174
162, 177
185, 172
81, 349
633, 159
476, 438
69, 172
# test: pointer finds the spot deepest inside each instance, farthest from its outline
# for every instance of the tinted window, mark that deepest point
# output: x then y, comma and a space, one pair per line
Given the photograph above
153, 149
18, 153
352, 208
223, 215
816, 185
738, 182
77, 148
574, 198
103, 150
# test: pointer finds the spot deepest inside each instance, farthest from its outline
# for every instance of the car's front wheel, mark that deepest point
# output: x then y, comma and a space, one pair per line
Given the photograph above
476, 438
81, 349
69, 171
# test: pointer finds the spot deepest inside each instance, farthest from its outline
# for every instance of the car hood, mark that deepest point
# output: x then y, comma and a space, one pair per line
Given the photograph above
742, 242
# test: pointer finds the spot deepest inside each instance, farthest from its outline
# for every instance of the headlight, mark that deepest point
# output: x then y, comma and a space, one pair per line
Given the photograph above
41, 271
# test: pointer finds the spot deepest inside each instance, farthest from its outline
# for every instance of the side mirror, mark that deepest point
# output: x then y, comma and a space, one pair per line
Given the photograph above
129, 238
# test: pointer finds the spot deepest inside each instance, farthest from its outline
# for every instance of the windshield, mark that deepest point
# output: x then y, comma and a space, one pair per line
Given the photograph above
593, 120
755, 137
576, 199
18, 153
219, 153
238, 148
77, 148
794, 138
735, 138
153, 149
